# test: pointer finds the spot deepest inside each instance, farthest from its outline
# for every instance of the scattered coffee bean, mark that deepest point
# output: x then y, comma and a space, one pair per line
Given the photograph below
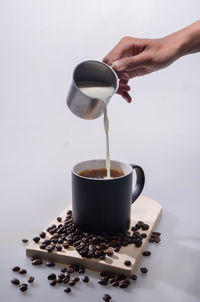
50, 264
157, 240
70, 270
106, 298
16, 269
122, 285
76, 279
15, 281
37, 262
134, 277
127, 263
156, 233
145, 227
59, 219
121, 277
24, 240
72, 283
146, 253
31, 279
22, 271
143, 235
85, 279
51, 276
63, 269
67, 290
58, 247
144, 270
53, 282
115, 284
42, 235
103, 282
42, 246
65, 280
36, 239
23, 287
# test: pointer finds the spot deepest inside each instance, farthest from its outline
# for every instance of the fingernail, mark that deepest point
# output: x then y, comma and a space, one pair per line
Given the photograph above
117, 65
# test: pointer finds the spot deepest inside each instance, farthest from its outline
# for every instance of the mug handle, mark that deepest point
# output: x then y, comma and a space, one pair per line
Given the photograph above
139, 182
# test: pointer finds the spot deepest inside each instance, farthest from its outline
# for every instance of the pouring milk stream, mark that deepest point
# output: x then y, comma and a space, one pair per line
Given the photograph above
100, 91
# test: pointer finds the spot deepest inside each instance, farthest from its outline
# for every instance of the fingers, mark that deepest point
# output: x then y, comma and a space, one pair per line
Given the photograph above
123, 90
126, 96
129, 63
117, 52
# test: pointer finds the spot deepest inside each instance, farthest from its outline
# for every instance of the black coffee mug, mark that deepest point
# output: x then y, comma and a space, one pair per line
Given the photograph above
104, 205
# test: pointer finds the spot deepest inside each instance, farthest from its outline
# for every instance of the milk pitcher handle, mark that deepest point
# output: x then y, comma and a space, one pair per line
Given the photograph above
140, 180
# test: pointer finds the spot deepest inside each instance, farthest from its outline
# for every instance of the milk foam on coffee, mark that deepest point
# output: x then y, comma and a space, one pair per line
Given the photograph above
100, 91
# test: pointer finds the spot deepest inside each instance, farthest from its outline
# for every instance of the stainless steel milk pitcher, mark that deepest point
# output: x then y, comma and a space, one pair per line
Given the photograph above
79, 103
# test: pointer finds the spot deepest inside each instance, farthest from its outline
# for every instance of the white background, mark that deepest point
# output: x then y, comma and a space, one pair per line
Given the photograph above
40, 44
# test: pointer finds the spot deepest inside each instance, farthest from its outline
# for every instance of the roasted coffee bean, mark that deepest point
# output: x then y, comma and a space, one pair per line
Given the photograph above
36, 239
76, 279
42, 246
117, 249
127, 281
145, 227
134, 228
106, 298
46, 241
50, 264
85, 279
16, 269
104, 273
127, 263
143, 235
134, 277
42, 235
53, 282
156, 233
146, 253
60, 241
122, 285
103, 282
72, 283
37, 262
23, 287
49, 248
65, 245
22, 271
31, 279
59, 219
15, 281
157, 240
58, 247
70, 270
63, 269
69, 212
115, 284
51, 276
66, 279
67, 290
144, 270
24, 240
61, 275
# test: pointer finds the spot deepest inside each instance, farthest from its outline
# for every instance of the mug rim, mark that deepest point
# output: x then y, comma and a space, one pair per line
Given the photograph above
129, 167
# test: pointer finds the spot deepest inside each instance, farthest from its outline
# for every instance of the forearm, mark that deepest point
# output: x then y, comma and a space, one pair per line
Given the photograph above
187, 40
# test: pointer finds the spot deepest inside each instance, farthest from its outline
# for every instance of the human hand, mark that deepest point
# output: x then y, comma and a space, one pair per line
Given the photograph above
133, 57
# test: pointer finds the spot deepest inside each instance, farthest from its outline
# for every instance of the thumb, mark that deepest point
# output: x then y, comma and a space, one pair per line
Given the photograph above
128, 63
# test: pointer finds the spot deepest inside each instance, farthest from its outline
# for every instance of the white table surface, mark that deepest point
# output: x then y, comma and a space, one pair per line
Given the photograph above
40, 44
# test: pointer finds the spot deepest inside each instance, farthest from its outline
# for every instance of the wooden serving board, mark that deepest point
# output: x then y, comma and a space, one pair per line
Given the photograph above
144, 209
